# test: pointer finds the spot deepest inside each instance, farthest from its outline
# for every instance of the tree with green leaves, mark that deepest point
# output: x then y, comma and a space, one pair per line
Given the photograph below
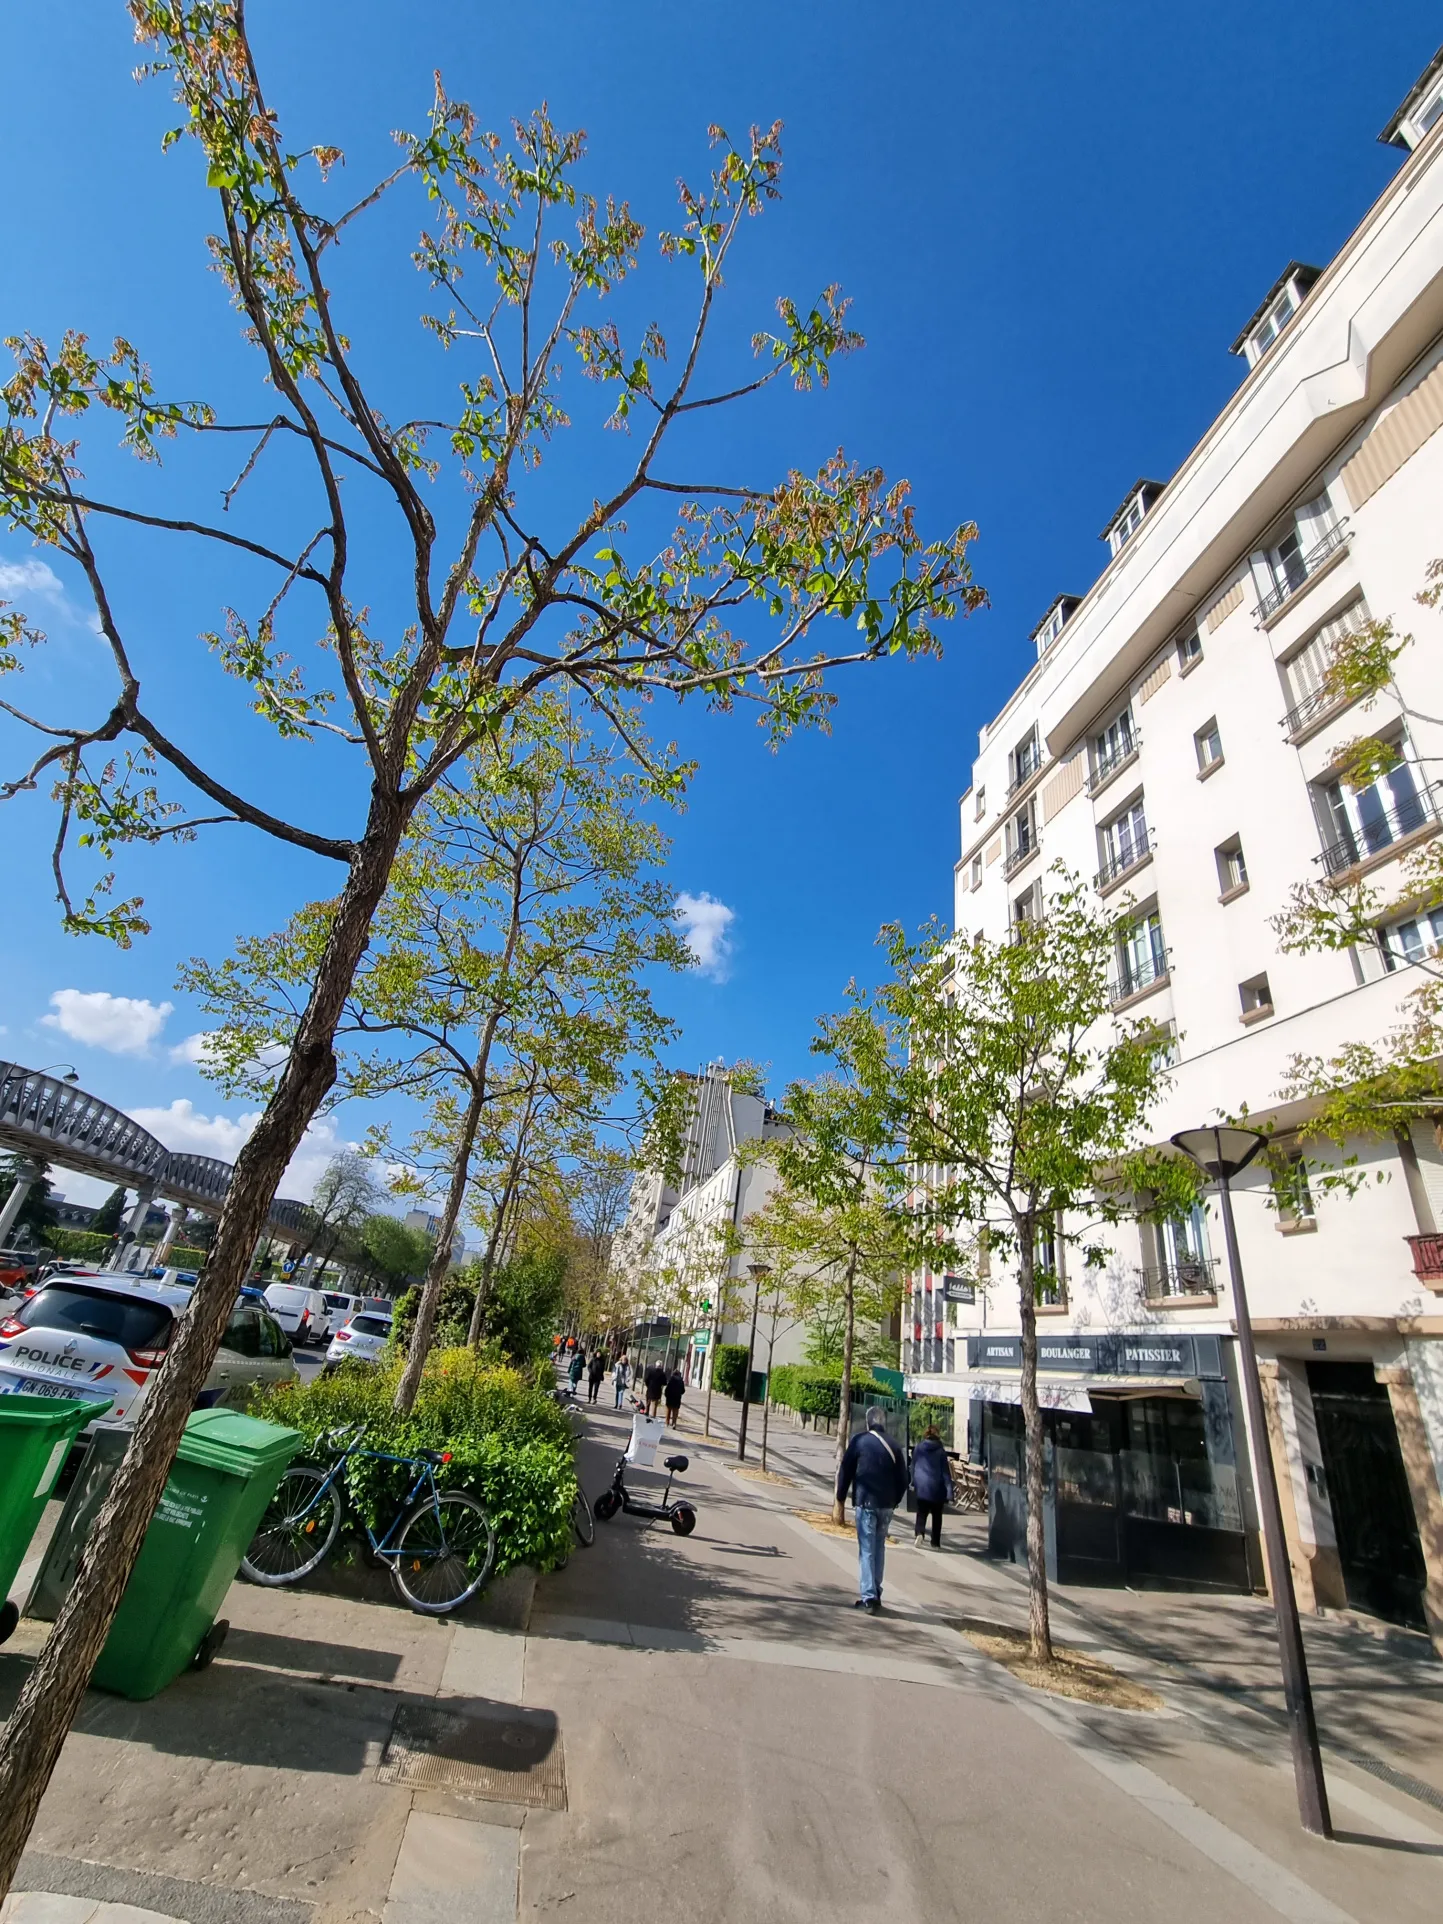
110, 1215
671, 580
1026, 1106
396, 1251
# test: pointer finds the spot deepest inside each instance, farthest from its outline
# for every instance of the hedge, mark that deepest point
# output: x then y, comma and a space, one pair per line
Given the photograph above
510, 1444
179, 1258
79, 1245
729, 1371
815, 1389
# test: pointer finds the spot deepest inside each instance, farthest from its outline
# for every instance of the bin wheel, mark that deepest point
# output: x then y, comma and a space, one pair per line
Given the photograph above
209, 1644
9, 1617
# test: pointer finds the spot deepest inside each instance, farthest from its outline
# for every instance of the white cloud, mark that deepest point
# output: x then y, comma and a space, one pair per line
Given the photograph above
183, 1128
30, 579
193, 1049
705, 922
125, 1025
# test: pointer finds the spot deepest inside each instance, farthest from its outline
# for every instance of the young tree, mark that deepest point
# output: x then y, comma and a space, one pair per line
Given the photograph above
499, 604
346, 1193
395, 1250
1026, 1103
110, 1215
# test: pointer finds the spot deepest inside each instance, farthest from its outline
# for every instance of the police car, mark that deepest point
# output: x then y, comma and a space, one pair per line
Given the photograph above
103, 1337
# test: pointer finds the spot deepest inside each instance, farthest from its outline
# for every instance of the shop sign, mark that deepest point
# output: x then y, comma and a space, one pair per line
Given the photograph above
1142, 1354
957, 1289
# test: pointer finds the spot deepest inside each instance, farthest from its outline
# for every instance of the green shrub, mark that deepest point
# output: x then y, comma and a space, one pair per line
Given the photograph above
816, 1390
939, 1411
79, 1245
179, 1258
729, 1371
510, 1444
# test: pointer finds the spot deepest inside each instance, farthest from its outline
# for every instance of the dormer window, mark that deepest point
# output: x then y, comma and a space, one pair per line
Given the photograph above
1421, 111
1284, 298
1054, 621
1128, 519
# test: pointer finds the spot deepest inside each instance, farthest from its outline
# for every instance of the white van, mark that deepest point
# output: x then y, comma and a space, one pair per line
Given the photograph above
341, 1307
301, 1313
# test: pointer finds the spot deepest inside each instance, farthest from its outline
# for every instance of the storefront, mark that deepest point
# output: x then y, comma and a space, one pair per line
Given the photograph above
1142, 1468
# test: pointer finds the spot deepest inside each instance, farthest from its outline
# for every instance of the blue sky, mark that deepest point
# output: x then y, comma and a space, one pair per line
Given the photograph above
1052, 221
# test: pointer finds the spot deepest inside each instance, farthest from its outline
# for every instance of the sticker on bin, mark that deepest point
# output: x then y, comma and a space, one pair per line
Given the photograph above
183, 1508
52, 1466
646, 1433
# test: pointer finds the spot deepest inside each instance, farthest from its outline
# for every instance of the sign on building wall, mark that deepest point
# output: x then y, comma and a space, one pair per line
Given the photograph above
1144, 1354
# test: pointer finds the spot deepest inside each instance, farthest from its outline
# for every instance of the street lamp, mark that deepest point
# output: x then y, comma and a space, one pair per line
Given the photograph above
1220, 1153
759, 1273
72, 1074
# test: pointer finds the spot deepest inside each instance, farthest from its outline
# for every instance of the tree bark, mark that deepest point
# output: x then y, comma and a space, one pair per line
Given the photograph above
410, 1383
53, 1691
844, 1390
1038, 1623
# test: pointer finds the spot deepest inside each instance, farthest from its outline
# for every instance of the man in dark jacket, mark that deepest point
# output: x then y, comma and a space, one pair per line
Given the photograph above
932, 1482
874, 1474
655, 1381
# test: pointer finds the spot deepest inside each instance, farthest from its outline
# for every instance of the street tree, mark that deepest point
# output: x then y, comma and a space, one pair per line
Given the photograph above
1025, 1106
395, 1250
347, 1192
439, 524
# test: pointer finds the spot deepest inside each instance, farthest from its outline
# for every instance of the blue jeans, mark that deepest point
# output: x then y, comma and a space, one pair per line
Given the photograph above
871, 1550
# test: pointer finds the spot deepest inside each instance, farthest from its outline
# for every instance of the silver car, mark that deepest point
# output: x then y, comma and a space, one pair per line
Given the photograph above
364, 1337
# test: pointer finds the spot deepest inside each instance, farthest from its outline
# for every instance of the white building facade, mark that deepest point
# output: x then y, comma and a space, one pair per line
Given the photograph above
1175, 742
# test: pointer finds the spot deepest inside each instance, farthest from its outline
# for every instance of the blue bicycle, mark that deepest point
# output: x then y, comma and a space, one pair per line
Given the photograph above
439, 1547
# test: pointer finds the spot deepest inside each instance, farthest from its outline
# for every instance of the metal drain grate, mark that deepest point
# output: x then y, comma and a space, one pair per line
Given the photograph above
1399, 1779
512, 1756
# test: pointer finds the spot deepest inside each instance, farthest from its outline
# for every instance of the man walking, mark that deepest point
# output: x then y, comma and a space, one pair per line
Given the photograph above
655, 1382
874, 1473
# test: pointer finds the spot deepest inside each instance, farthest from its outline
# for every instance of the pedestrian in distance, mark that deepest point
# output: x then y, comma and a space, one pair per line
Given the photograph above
576, 1366
931, 1484
874, 1474
675, 1390
620, 1378
654, 1382
595, 1370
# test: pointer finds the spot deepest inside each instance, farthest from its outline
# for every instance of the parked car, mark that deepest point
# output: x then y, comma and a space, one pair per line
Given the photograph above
382, 1305
365, 1336
97, 1337
342, 1307
301, 1313
18, 1267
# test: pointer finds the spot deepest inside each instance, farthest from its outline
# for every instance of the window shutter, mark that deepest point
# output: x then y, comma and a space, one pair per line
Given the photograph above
1224, 605
1155, 677
994, 850
1066, 783
1398, 436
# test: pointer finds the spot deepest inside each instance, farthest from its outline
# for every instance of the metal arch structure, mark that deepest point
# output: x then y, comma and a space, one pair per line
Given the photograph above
52, 1121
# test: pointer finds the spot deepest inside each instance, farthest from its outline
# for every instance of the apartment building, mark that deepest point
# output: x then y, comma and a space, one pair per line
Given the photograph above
1176, 742
668, 1246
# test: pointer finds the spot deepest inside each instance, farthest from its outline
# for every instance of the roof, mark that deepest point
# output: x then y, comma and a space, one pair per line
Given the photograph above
1152, 489
1306, 274
1051, 609
1390, 135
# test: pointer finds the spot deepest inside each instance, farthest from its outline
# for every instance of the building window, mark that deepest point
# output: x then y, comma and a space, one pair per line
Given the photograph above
1048, 1285
1358, 823
1026, 759
981, 803
1183, 1267
1291, 1194
1232, 869
1313, 532
1021, 838
1122, 842
1256, 998
1141, 956
1112, 747
1189, 649
1309, 693
1417, 940
1209, 745
1165, 1051
1028, 905
977, 871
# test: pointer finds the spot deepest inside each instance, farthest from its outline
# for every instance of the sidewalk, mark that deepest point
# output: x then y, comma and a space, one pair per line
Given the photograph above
1378, 1691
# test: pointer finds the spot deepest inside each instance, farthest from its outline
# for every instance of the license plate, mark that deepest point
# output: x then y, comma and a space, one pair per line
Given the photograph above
41, 1386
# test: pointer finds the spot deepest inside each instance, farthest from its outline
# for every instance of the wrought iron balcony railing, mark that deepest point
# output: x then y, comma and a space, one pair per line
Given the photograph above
1180, 1276
1379, 832
1125, 860
1301, 570
1113, 763
1136, 976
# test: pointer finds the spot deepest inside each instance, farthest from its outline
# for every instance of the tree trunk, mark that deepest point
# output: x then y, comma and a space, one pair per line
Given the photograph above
844, 1393
425, 1324
1038, 1624
52, 1693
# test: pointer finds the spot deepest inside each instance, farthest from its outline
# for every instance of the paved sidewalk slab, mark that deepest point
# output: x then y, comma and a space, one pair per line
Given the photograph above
450, 1872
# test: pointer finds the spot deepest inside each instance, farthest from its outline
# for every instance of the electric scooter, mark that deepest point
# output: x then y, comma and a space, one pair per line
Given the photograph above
681, 1515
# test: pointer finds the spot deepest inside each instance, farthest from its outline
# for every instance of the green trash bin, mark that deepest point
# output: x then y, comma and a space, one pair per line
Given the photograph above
225, 1473
36, 1433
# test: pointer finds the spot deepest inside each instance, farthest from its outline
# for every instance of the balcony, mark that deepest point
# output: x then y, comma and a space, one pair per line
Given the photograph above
1025, 770
1301, 569
1312, 711
1020, 856
1124, 862
1372, 839
1138, 979
1109, 767
1181, 1279
1427, 1259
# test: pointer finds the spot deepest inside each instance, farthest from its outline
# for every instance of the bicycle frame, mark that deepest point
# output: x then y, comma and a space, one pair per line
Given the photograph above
425, 1480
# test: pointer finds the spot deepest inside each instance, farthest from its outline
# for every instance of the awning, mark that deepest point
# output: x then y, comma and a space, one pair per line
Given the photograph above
1054, 1391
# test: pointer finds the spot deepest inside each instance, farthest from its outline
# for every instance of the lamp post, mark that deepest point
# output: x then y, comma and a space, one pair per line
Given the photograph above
72, 1074
1221, 1153
759, 1273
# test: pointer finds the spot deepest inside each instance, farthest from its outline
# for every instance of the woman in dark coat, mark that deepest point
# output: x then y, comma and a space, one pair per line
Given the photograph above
932, 1482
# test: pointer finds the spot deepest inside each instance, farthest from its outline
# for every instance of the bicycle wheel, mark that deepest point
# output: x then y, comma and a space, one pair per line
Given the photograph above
582, 1521
301, 1523
444, 1553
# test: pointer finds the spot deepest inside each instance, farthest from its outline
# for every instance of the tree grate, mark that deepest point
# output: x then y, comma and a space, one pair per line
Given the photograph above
505, 1755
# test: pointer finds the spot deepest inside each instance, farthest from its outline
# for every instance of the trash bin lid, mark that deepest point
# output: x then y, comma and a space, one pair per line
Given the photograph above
50, 1412
226, 1440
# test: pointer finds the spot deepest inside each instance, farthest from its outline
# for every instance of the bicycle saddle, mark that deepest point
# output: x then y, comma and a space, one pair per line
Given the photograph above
675, 1462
